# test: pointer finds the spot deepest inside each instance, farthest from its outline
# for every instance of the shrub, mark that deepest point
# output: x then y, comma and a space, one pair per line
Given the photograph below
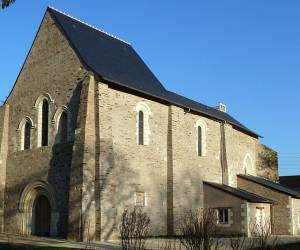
198, 229
134, 229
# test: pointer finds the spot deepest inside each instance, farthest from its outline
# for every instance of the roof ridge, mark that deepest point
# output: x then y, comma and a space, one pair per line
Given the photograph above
89, 25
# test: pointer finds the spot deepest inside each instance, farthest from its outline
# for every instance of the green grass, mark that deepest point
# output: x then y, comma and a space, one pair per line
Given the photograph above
291, 246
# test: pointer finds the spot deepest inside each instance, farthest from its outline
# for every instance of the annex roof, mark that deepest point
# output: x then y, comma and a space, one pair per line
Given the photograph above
115, 61
239, 193
292, 181
272, 185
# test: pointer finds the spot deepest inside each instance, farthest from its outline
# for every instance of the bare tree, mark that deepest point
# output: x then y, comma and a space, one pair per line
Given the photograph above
261, 238
6, 3
134, 229
238, 243
198, 229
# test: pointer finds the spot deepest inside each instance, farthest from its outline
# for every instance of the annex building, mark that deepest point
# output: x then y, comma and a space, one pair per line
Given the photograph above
88, 131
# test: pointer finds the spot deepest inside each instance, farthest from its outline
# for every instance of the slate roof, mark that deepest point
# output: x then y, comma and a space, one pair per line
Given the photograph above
239, 193
272, 185
290, 181
115, 61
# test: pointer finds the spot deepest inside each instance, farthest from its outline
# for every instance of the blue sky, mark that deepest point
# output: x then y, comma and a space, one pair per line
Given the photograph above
240, 52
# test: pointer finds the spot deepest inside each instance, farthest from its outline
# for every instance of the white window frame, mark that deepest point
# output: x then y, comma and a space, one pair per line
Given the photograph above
145, 199
38, 106
142, 106
21, 131
223, 211
201, 123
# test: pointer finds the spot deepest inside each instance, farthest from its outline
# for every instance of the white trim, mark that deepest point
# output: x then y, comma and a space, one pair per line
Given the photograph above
38, 106
245, 218
142, 106
26, 203
224, 210
23, 121
21, 131
46, 96
56, 119
145, 199
201, 123
247, 170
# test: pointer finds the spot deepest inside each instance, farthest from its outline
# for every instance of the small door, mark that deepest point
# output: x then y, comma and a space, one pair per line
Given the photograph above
259, 219
42, 214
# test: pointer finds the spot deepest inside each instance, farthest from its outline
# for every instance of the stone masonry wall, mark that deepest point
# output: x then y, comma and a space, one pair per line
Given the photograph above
189, 169
4, 117
280, 208
179, 171
127, 167
296, 216
267, 162
239, 146
51, 67
214, 198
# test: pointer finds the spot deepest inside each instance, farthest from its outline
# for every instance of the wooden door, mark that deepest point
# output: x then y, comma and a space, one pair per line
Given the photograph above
42, 216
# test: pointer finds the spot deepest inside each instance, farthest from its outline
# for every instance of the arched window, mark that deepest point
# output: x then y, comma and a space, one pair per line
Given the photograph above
248, 165
26, 136
201, 129
24, 133
199, 141
143, 113
62, 130
62, 121
42, 105
45, 122
141, 128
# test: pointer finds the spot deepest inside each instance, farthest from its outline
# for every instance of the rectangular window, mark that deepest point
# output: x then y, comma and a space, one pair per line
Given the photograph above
223, 215
140, 199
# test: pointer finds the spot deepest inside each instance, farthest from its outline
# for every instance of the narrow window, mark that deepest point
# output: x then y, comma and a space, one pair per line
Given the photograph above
199, 141
62, 132
26, 136
141, 128
140, 199
45, 121
223, 215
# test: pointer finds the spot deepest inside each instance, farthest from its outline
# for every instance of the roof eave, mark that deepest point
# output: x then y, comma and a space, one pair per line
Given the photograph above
249, 132
239, 196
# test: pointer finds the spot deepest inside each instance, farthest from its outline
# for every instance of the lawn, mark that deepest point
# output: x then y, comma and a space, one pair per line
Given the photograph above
29, 247
290, 246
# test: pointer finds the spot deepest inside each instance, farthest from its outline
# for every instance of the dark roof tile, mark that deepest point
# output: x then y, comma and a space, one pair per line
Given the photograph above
271, 184
117, 62
239, 193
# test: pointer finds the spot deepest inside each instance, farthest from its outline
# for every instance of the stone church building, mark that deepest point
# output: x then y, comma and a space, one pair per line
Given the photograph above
88, 130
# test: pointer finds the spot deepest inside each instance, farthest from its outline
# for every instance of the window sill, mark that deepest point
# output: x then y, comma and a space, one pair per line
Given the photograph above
223, 225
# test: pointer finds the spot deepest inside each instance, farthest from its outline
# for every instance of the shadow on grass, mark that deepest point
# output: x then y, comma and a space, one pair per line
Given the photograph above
5, 246
289, 246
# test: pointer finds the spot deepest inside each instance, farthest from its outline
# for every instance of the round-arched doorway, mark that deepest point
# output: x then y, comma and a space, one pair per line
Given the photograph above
41, 216
38, 210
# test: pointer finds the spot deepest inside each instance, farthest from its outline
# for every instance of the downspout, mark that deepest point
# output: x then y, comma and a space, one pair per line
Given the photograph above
223, 154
